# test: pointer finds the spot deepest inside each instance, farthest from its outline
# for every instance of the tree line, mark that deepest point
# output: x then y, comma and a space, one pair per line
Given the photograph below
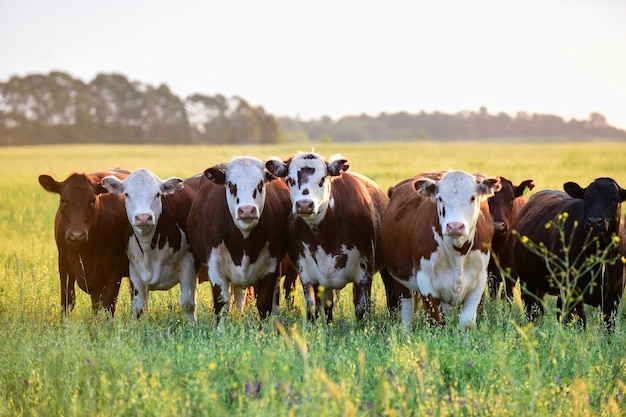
57, 108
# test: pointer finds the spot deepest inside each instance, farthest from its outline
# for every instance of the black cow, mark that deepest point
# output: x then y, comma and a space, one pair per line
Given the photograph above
591, 225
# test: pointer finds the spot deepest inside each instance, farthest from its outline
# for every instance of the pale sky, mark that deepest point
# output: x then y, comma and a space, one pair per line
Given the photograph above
335, 58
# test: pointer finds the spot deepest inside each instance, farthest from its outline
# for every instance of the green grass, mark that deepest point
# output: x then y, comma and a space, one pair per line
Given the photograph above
160, 366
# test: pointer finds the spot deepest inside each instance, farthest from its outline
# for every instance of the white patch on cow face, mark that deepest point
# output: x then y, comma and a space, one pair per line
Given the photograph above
142, 191
245, 192
309, 186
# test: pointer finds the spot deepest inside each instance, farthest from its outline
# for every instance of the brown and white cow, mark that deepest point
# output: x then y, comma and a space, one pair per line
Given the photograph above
334, 228
435, 238
504, 207
89, 233
237, 226
158, 250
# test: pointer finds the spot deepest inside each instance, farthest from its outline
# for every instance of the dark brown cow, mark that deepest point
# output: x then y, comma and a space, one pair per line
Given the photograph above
334, 228
435, 238
592, 222
504, 207
237, 226
89, 233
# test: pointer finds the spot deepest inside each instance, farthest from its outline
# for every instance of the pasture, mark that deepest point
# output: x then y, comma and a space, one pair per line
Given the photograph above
161, 366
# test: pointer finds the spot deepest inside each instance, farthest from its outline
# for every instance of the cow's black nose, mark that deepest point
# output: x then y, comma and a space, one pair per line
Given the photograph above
597, 224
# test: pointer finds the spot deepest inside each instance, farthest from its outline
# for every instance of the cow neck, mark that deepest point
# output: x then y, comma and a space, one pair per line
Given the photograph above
148, 240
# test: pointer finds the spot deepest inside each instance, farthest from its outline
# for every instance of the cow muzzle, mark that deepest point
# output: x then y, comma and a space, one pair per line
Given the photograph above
247, 213
76, 236
144, 219
597, 224
499, 227
455, 229
304, 207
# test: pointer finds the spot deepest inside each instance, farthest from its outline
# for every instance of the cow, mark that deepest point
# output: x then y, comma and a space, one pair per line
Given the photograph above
89, 233
237, 226
588, 219
157, 246
436, 236
504, 207
334, 229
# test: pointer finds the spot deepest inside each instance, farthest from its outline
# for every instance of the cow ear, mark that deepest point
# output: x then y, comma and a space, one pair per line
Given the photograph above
216, 174
336, 165
50, 184
112, 185
277, 167
522, 187
622, 194
269, 176
98, 188
425, 186
489, 186
171, 184
574, 190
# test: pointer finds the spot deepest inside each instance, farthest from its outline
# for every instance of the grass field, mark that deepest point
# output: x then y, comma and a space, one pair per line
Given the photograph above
160, 366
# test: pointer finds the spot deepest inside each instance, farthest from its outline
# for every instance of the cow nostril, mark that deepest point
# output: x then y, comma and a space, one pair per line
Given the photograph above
596, 223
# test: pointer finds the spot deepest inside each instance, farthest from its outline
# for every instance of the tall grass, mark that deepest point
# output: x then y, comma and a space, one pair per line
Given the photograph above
160, 366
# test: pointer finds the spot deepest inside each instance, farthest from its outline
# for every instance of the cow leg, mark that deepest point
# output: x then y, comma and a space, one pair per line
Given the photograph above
265, 300
68, 293
188, 291
433, 306
221, 299
140, 297
393, 296
327, 299
467, 318
241, 295
289, 285
361, 297
310, 300
534, 309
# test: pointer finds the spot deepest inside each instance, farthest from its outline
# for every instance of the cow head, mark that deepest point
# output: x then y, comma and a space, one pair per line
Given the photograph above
501, 203
245, 179
79, 203
602, 198
308, 177
142, 192
458, 196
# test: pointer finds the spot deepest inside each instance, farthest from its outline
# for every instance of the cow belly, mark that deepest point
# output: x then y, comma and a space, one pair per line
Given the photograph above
452, 278
159, 269
222, 268
332, 270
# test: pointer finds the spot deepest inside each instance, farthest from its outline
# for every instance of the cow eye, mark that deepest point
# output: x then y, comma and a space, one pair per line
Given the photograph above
232, 188
321, 184
260, 187
290, 181
92, 203
472, 199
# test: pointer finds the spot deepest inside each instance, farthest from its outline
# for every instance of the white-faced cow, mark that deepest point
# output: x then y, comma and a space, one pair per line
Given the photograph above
591, 224
436, 237
504, 207
89, 233
237, 227
334, 228
158, 250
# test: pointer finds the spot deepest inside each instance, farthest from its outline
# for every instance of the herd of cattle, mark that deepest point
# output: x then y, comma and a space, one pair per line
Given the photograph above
437, 237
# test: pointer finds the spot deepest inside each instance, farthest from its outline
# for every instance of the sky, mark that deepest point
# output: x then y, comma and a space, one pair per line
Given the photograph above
339, 57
